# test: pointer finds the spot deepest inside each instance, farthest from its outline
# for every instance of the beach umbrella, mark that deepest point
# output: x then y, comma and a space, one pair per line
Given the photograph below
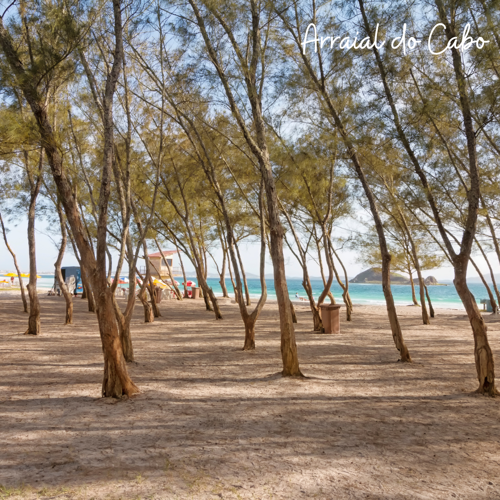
190, 283
27, 276
11, 275
160, 283
170, 281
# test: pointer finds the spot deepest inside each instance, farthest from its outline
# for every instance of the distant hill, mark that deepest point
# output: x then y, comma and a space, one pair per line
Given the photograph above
373, 275
487, 277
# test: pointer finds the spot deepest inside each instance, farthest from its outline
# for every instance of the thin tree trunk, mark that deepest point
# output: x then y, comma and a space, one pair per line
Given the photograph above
123, 321
413, 294
494, 305
496, 245
183, 273
320, 261
148, 310
110, 265
421, 282
62, 285
222, 275
21, 284
492, 275
34, 314
242, 269
88, 290
294, 314
345, 288
232, 279
431, 309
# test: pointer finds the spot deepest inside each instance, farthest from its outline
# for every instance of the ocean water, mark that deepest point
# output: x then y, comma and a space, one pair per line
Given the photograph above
361, 293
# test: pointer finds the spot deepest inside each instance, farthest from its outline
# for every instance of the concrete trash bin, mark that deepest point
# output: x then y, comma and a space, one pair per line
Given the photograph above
195, 292
487, 305
330, 316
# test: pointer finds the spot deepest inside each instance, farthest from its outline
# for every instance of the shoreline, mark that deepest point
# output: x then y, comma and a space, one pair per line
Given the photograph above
5, 292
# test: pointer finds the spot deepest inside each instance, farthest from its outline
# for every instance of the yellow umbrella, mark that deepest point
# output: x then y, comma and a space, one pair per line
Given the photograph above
27, 276
10, 275
160, 284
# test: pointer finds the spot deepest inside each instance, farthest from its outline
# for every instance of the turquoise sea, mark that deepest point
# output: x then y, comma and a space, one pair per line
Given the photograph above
441, 296
361, 293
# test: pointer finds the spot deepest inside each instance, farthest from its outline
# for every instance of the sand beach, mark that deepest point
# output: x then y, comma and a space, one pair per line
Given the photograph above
214, 422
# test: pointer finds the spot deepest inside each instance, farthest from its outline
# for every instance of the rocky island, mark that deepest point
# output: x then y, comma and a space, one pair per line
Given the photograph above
374, 276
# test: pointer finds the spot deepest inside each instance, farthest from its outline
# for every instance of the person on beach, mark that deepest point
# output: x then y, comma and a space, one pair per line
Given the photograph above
298, 296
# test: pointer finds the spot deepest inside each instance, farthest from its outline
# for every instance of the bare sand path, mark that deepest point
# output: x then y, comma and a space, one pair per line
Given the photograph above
215, 422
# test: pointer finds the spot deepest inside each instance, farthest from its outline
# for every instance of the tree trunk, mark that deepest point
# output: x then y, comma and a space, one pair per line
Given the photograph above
413, 294
89, 293
148, 310
345, 291
208, 292
34, 314
154, 305
249, 344
288, 345
431, 309
494, 305
492, 274
317, 321
321, 269
222, 275
391, 308
114, 382
243, 275
259, 149
482, 352
21, 284
421, 282
62, 285
123, 322
345, 288
183, 273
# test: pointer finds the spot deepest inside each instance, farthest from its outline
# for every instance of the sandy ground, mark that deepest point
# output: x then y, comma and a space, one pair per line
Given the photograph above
215, 422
